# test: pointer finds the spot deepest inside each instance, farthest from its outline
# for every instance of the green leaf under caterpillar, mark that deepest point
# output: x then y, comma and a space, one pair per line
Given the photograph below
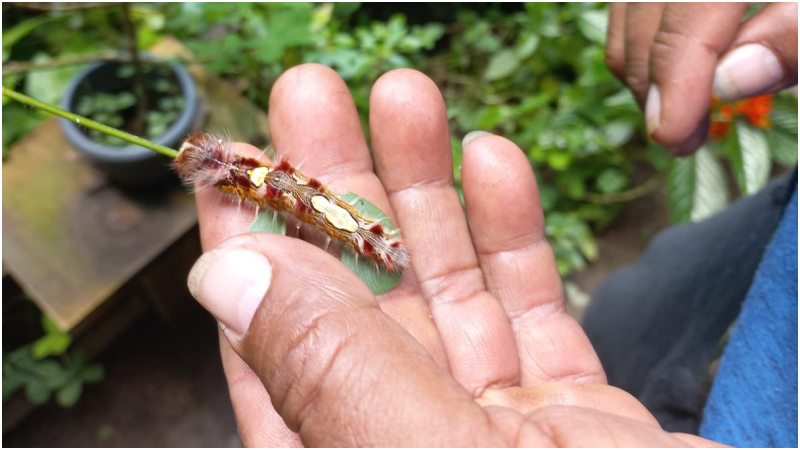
377, 279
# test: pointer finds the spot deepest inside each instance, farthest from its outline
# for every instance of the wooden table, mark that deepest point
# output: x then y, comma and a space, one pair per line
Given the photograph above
91, 255
72, 239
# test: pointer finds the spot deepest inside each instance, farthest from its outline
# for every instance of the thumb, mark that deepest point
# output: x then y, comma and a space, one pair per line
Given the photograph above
763, 58
338, 370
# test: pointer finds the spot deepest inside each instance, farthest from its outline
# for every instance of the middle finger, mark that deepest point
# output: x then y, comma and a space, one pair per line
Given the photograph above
411, 141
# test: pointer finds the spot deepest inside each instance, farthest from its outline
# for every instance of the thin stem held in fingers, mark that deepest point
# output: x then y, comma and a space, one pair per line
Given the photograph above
89, 123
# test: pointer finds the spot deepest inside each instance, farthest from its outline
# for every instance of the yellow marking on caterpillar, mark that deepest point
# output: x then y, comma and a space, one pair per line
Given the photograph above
334, 214
258, 175
301, 180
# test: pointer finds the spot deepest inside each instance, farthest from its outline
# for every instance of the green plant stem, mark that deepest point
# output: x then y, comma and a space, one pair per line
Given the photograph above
89, 123
15, 67
625, 196
138, 78
46, 6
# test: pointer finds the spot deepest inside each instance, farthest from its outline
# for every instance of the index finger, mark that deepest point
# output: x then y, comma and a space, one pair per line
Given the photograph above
221, 218
411, 140
683, 57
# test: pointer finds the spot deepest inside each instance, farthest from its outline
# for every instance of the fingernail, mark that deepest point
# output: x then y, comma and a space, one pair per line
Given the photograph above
471, 136
230, 283
746, 71
652, 110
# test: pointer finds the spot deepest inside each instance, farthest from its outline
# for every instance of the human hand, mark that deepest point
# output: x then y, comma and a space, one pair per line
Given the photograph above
674, 56
473, 347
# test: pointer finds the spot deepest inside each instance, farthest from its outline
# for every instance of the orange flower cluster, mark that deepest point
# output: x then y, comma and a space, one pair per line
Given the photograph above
755, 109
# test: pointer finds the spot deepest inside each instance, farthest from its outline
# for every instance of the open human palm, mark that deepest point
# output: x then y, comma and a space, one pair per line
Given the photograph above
472, 348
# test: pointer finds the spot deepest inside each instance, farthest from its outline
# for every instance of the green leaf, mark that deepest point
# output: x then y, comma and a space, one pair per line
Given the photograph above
545, 18
20, 358
548, 196
93, 373
480, 35
50, 326
457, 152
783, 147
49, 85
268, 222
321, 17
492, 116
18, 121
291, 26
611, 180
572, 241
68, 395
50, 372
785, 121
658, 157
575, 185
501, 65
559, 160
680, 188
619, 132
711, 193
37, 392
51, 344
593, 25
526, 45
622, 99
13, 380
10, 81
750, 158
54, 342
784, 113
77, 360
377, 279
696, 187
13, 34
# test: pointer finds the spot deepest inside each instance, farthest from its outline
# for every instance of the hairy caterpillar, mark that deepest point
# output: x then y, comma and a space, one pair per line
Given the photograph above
204, 160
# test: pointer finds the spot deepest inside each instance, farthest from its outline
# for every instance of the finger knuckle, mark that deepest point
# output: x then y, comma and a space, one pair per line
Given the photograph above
312, 354
453, 286
615, 62
669, 44
637, 80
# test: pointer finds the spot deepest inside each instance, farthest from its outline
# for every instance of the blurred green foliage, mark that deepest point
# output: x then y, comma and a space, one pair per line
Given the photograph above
117, 109
538, 77
45, 368
532, 72
699, 186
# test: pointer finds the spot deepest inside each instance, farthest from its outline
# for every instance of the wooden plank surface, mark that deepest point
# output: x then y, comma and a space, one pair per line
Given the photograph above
70, 238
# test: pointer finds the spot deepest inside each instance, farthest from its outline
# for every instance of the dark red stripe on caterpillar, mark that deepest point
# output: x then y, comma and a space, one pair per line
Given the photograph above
205, 160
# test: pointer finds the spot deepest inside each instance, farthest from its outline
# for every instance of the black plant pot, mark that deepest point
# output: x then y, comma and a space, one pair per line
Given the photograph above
129, 166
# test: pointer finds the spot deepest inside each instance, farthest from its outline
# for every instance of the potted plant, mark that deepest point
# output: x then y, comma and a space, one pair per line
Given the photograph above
139, 94
104, 91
